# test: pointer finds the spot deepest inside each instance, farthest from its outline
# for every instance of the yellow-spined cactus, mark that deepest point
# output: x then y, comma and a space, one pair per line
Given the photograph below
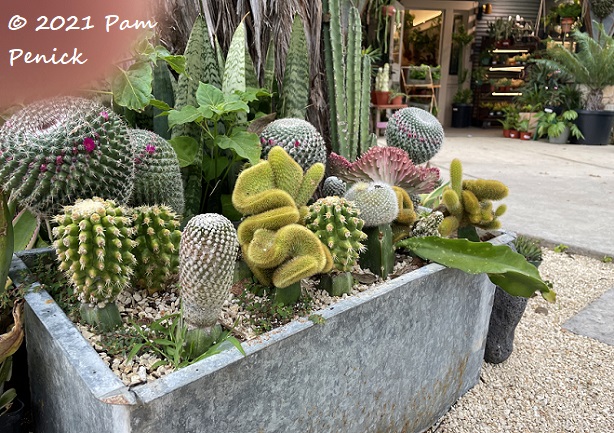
469, 202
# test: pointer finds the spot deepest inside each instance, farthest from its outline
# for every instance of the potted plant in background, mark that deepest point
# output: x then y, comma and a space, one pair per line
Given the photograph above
396, 96
381, 94
558, 127
591, 67
510, 121
524, 129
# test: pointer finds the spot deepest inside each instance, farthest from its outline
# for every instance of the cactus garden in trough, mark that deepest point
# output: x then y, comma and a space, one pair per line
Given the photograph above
155, 283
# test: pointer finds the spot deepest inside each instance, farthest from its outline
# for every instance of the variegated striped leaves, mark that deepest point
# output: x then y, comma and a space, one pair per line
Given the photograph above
234, 69
295, 93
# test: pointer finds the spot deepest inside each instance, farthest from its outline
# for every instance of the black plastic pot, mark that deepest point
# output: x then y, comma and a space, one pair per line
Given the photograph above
461, 115
595, 125
10, 422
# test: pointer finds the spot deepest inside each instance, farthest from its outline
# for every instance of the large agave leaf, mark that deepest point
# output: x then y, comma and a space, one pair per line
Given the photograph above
295, 93
505, 268
234, 69
26, 227
6, 241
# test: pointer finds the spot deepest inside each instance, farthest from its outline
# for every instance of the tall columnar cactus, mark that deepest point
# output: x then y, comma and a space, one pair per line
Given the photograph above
417, 132
273, 195
349, 80
337, 224
157, 239
298, 137
157, 176
468, 203
56, 151
93, 242
377, 202
207, 256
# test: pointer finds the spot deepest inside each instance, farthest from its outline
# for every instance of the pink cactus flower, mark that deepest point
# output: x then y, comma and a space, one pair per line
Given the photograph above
104, 115
150, 148
59, 160
43, 168
89, 144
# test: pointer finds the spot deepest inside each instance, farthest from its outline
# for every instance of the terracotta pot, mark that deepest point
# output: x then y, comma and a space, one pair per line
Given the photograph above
397, 100
514, 133
380, 98
566, 24
526, 135
506, 133
388, 10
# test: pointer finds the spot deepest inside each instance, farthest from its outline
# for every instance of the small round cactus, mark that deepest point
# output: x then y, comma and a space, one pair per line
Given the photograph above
93, 242
56, 151
427, 225
333, 186
207, 255
417, 132
157, 251
157, 175
336, 222
298, 137
377, 202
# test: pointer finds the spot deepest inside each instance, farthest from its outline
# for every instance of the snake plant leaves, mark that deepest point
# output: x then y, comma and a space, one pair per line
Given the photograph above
234, 69
295, 93
505, 268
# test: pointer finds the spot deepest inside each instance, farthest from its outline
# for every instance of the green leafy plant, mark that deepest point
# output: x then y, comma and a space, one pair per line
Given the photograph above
606, 259
167, 337
463, 96
560, 248
511, 119
505, 268
553, 125
590, 65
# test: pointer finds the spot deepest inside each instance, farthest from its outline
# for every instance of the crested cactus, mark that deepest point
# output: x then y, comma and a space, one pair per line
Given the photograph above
56, 151
337, 224
157, 174
298, 137
273, 195
333, 186
417, 132
207, 255
386, 164
468, 203
157, 246
93, 242
377, 202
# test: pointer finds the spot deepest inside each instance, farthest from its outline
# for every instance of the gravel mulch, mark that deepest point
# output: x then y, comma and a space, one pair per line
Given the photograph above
554, 381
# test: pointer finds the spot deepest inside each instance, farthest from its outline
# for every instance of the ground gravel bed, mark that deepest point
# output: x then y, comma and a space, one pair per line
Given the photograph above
554, 381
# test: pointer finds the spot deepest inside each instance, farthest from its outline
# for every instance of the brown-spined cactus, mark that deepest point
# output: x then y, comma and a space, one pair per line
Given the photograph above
207, 254
157, 178
273, 195
56, 151
417, 132
337, 223
468, 203
377, 202
386, 164
93, 242
298, 137
157, 239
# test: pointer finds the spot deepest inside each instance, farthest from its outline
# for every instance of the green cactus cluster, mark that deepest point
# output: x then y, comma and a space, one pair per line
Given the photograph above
337, 224
157, 173
529, 248
427, 224
94, 248
333, 186
157, 236
377, 202
273, 195
468, 203
207, 255
417, 132
56, 151
298, 137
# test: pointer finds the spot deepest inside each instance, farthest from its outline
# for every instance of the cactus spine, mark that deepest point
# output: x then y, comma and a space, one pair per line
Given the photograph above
157, 246
56, 151
93, 245
207, 255
345, 73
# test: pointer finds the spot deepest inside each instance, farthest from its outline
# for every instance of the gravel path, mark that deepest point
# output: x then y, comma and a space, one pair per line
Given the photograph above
554, 381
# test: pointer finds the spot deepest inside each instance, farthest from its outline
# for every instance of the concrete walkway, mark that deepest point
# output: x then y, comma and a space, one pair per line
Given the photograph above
561, 194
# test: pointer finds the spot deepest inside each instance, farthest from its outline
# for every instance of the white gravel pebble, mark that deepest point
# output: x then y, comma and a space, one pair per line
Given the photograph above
555, 381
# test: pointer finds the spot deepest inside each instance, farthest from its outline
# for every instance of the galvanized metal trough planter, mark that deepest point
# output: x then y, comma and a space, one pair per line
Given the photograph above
393, 359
